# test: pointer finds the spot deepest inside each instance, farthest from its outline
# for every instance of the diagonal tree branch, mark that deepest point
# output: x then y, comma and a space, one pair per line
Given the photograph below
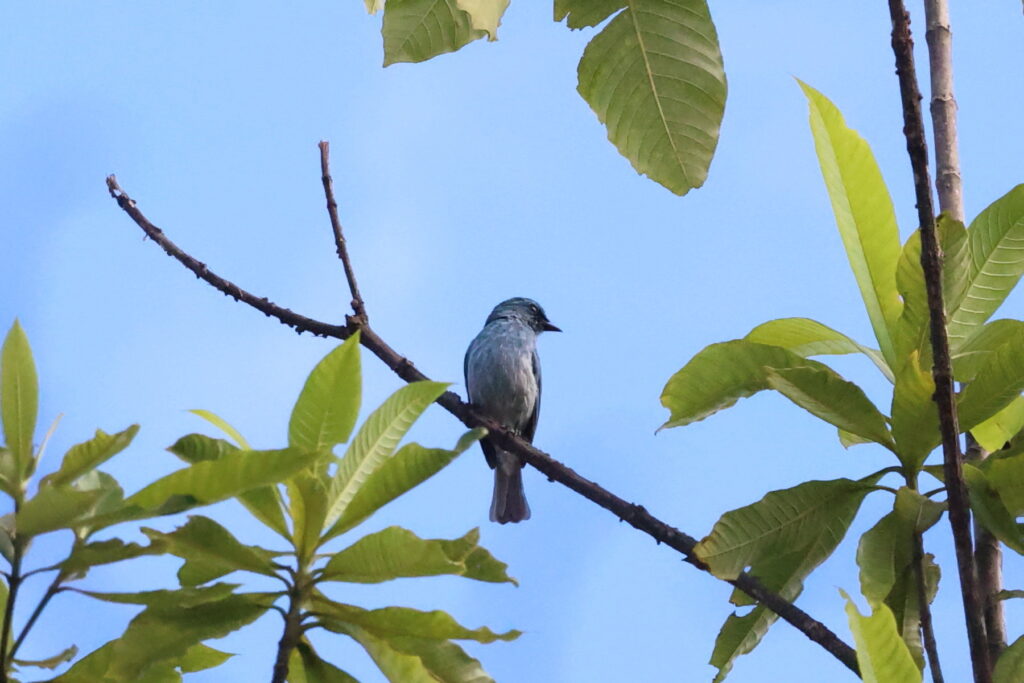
358, 307
631, 513
931, 263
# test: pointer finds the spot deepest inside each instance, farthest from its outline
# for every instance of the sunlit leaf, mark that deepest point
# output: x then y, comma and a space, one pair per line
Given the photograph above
210, 551
915, 418
19, 397
986, 339
990, 510
826, 395
1010, 665
417, 30
202, 657
54, 507
997, 261
882, 655
654, 76
222, 424
306, 666
91, 454
864, 214
806, 338
307, 500
376, 441
411, 465
328, 405
1000, 380
584, 13
994, 432
391, 622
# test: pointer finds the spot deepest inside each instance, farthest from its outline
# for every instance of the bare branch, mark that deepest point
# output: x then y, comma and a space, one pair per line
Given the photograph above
931, 263
931, 648
635, 515
358, 307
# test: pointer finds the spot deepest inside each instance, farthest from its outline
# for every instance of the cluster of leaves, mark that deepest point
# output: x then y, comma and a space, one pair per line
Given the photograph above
324, 497
653, 74
788, 533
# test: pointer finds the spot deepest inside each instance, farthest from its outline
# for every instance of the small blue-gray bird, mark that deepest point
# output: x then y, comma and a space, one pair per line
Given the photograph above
503, 380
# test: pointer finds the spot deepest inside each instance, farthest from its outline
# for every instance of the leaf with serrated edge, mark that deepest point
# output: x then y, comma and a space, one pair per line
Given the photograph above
654, 76
411, 465
882, 655
864, 214
376, 441
19, 397
328, 405
997, 263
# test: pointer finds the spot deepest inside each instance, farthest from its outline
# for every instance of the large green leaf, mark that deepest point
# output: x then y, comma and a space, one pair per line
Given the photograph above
85, 456
55, 507
410, 466
864, 215
584, 13
882, 656
986, 339
806, 337
1000, 380
19, 397
990, 510
376, 441
306, 666
915, 418
826, 395
328, 405
905, 605
654, 76
395, 552
417, 30
264, 502
210, 551
782, 538
1010, 665
996, 431
1005, 472
395, 622
997, 263
84, 556
307, 501
721, 374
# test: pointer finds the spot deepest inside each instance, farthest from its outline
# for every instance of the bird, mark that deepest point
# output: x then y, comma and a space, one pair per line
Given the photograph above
503, 380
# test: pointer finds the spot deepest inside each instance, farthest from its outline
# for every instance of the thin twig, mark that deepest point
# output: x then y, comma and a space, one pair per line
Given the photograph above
925, 610
635, 515
931, 263
51, 591
14, 583
358, 307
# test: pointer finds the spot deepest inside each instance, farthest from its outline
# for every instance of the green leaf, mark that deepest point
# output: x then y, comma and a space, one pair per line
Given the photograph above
997, 263
164, 600
782, 538
989, 508
19, 397
202, 657
1009, 594
485, 15
376, 441
654, 76
306, 666
584, 13
396, 552
307, 499
417, 660
882, 655
1000, 380
996, 431
806, 337
1005, 473
51, 662
373, 6
391, 622
85, 556
412, 465
826, 395
1010, 665
264, 503
720, 375
91, 454
915, 418
905, 605
222, 424
210, 551
417, 30
986, 339
864, 215
328, 405
55, 507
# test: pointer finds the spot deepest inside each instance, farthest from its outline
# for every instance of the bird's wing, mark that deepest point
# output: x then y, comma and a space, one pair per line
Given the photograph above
490, 452
531, 424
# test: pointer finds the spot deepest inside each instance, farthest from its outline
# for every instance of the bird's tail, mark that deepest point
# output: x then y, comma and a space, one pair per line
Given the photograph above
509, 502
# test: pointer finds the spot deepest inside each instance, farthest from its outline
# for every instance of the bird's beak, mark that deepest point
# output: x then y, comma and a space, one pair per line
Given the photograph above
548, 327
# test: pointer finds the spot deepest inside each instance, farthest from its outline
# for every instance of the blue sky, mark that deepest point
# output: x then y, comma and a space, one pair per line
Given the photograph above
462, 181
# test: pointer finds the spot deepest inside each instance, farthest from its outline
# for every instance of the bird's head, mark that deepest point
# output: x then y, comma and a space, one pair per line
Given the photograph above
524, 310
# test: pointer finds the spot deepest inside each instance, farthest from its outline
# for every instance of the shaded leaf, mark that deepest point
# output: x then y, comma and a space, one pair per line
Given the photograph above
19, 398
193, 448
996, 431
411, 465
999, 380
417, 30
391, 622
84, 556
53, 662
915, 418
210, 551
55, 507
654, 76
1009, 595
997, 261
306, 666
826, 395
307, 500
882, 655
990, 510
1010, 665
376, 441
223, 425
905, 605
328, 405
986, 339
202, 657
864, 214
806, 337
90, 454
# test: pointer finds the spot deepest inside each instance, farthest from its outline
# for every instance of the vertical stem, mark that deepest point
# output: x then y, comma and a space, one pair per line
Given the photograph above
292, 628
931, 263
925, 611
13, 584
988, 556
